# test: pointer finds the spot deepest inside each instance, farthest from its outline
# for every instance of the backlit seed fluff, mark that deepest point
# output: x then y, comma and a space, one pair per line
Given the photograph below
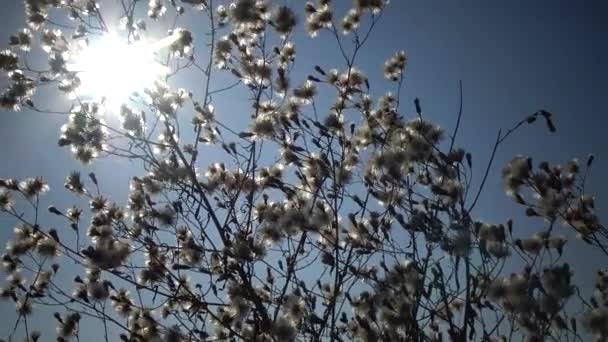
74, 183
394, 67
8, 60
15, 279
5, 200
222, 14
284, 20
351, 21
97, 290
263, 126
156, 9
515, 173
306, 92
183, 45
375, 6
48, 247
22, 39
244, 11
32, 187
24, 306
284, 329
66, 327
596, 321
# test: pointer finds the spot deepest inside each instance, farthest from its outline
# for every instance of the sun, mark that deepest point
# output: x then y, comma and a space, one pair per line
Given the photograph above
111, 69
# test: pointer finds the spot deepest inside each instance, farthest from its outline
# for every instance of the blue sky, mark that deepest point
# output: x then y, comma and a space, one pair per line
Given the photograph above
514, 57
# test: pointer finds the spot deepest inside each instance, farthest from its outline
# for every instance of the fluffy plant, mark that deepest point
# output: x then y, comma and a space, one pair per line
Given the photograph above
330, 214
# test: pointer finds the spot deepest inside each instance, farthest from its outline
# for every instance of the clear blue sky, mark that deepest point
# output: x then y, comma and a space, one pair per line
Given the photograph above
514, 57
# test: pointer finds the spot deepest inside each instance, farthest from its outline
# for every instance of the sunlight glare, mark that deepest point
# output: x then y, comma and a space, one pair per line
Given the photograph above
112, 69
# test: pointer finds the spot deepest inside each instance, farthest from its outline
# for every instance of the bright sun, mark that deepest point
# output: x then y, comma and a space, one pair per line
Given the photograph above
112, 69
